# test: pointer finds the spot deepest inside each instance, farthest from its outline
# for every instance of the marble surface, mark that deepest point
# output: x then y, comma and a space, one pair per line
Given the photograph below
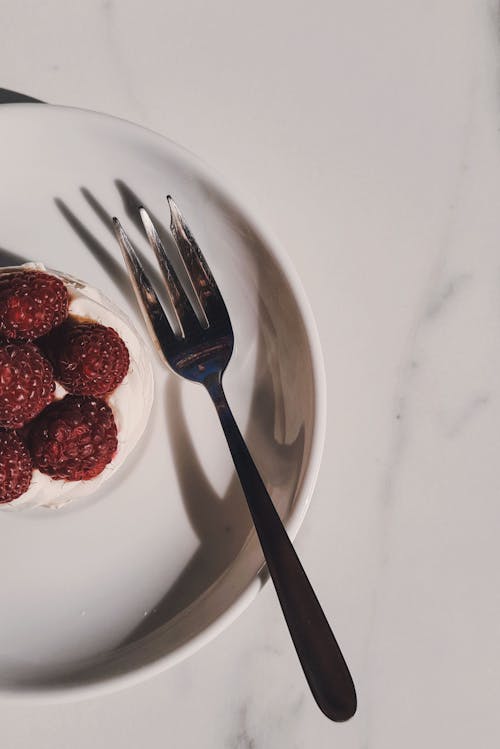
367, 136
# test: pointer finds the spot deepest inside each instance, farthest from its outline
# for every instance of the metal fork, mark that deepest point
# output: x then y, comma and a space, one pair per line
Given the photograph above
200, 352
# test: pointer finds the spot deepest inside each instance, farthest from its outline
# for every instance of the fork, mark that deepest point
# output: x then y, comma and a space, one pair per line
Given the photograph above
200, 351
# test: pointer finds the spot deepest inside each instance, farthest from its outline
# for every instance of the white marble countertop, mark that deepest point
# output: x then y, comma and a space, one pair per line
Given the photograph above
385, 117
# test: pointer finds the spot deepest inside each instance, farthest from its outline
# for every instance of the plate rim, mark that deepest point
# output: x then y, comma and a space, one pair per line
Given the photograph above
235, 195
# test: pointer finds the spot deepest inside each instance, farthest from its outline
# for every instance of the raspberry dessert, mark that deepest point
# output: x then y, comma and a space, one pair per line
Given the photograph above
26, 384
75, 380
74, 439
31, 304
15, 466
89, 358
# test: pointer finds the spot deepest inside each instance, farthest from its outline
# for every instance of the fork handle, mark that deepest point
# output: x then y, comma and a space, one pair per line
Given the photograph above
322, 661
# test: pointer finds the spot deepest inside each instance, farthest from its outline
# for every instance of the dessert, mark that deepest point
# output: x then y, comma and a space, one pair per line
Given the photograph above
89, 358
76, 388
74, 439
15, 466
26, 383
32, 302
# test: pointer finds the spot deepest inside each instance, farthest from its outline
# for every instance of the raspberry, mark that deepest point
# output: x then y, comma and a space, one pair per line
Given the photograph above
15, 466
89, 358
74, 438
31, 304
26, 383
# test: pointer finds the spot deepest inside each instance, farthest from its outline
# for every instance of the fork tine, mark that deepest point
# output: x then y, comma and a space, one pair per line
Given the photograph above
154, 316
184, 312
199, 273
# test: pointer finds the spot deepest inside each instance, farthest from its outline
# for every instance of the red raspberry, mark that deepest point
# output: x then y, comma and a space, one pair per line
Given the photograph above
74, 438
15, 466
89, 358
26, 383
31, 304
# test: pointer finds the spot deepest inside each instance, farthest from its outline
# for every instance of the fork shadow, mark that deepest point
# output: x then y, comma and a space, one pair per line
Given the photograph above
222, 524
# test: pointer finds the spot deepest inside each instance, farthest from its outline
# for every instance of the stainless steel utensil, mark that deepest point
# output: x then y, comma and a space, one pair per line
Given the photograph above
200, 351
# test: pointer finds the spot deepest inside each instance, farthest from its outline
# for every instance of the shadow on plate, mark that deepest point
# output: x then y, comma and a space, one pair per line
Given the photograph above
14, 97
11, 258
222, 524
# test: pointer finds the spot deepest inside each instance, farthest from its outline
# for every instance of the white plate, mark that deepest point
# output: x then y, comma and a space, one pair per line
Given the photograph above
139, 576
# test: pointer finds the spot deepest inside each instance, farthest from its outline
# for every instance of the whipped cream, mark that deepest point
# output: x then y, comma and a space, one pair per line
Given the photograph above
130, 402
